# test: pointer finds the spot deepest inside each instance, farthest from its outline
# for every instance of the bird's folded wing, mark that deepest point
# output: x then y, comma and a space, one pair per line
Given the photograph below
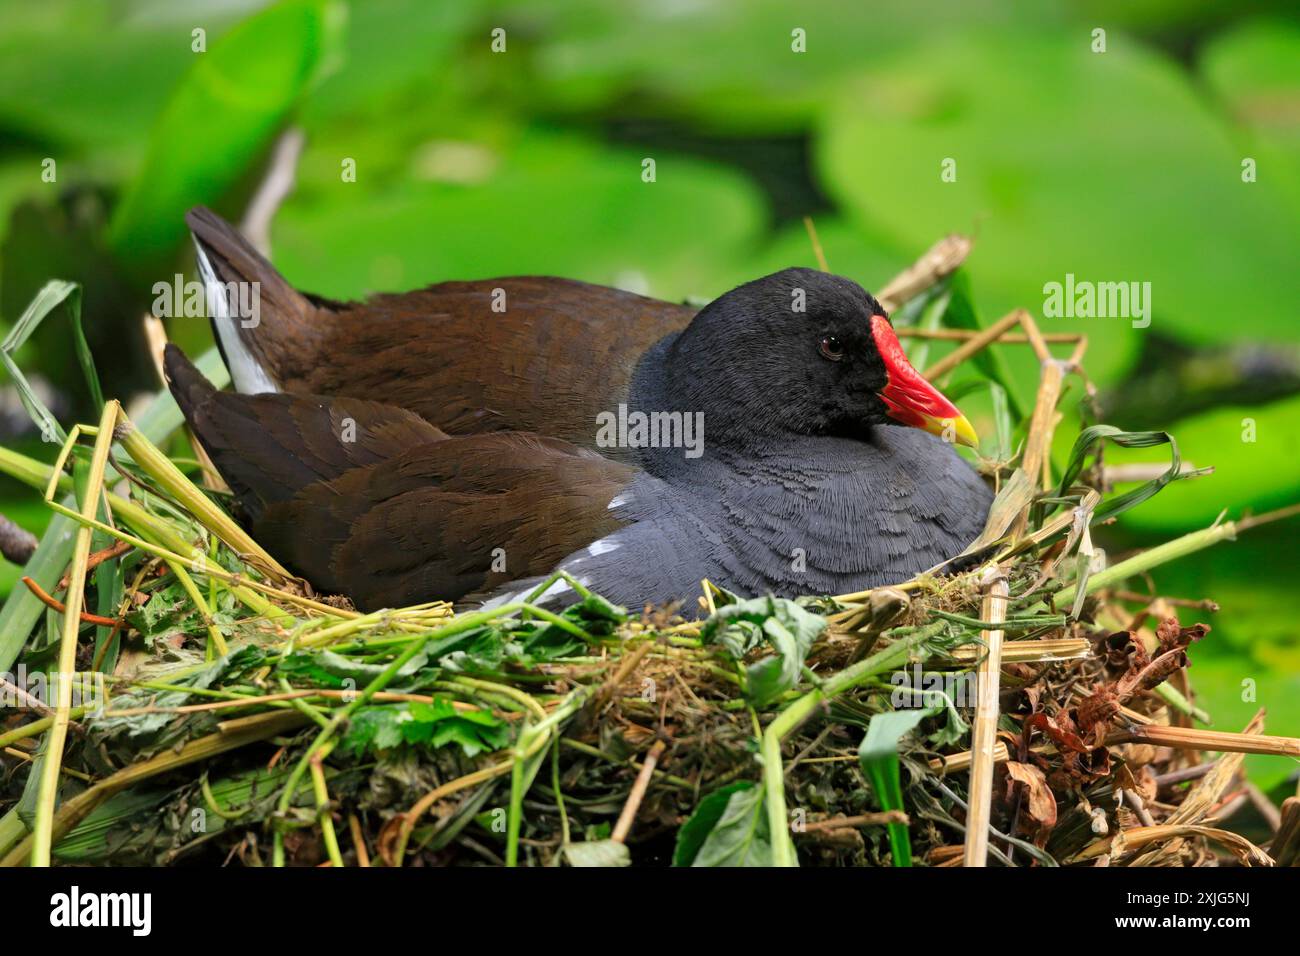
447, 353
447, 518
372, 501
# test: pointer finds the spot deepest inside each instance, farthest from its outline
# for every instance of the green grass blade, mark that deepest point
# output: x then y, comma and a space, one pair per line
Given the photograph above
1118, 504
878, 756
52, 295
22, 609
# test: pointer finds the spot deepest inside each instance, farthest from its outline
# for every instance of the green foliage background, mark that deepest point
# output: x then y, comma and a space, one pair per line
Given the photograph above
1115, 166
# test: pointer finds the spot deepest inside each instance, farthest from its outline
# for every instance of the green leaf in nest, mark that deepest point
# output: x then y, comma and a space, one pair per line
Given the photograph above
742, 626
328, 669
168, 611
693, 833
544, 642
598, 853
593, 610
740, 836
428, 725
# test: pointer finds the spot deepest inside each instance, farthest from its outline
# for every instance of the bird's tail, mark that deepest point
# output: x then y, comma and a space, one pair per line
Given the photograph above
259, 320
192, 392
187, 384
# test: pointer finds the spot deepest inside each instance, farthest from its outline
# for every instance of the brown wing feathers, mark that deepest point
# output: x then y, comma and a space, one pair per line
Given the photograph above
270, 446
404, 513
466, 514
401, 513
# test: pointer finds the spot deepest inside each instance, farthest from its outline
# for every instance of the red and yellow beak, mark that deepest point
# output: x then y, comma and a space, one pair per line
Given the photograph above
910, 398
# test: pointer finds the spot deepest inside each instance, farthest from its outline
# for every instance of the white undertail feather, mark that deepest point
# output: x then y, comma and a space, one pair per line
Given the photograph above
555, 590
245, 371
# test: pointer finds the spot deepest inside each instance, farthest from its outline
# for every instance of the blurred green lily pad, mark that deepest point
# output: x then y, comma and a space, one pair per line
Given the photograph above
1108, 166
1255, 71
88, 74
546, 204
730, 65
221, 115
1255, 452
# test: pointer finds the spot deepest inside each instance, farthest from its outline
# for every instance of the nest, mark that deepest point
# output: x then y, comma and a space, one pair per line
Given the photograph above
1016, 707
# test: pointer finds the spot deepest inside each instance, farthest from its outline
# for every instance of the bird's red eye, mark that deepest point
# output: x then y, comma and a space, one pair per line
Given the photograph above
832, 349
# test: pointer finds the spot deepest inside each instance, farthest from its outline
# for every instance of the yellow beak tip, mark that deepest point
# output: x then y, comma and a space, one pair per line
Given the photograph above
956, 430
965, 434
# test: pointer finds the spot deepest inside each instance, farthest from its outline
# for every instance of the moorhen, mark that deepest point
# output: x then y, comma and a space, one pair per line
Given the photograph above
464, 440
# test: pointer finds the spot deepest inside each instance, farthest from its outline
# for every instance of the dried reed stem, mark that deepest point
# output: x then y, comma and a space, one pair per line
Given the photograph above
881, 819
1136, 838
954, 763
1006, 338
625, 819
939, 260
1191, 738
816, 244
1041, 425
975, 344
985, 728
1030, 652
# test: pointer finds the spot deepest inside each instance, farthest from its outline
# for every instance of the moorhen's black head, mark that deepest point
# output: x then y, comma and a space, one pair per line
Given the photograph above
802, 352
